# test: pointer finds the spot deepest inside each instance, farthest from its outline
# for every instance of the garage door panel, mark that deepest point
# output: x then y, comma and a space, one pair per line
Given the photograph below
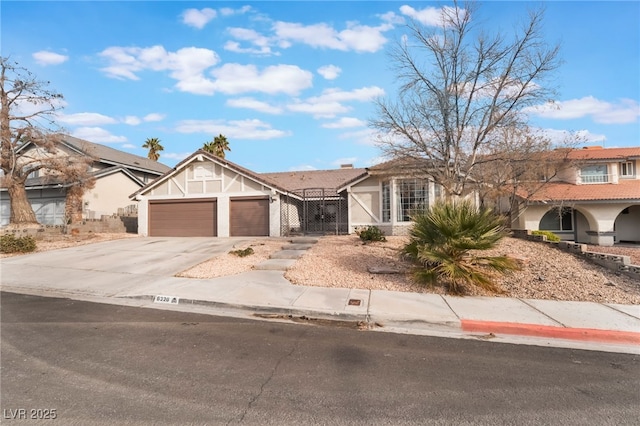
249, 217
183, 218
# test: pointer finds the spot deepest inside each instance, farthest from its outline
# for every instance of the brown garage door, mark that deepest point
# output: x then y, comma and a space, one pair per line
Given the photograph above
183, 218
249, 217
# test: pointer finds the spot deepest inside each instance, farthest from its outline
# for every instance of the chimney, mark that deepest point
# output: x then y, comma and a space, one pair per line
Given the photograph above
346, 166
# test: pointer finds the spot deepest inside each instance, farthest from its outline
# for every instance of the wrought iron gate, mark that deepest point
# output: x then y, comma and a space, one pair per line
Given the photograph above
313, 211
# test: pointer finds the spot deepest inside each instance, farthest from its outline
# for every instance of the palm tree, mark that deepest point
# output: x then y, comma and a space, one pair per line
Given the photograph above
153, 144
447, 241
218, 146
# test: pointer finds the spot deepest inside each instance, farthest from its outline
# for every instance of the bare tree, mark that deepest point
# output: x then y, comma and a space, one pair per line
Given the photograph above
31, 139
521, 164
459, 88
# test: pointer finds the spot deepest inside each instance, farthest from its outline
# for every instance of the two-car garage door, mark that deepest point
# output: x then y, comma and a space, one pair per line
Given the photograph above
183, 218
248, 216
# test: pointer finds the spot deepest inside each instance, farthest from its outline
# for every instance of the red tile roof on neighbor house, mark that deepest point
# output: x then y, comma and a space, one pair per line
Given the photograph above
600, 153
560, 191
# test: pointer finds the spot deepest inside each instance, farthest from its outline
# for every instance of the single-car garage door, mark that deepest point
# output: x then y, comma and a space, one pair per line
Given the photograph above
183, 218
249, 217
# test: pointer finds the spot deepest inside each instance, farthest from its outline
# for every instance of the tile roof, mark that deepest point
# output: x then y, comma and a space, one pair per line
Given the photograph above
113, 155
560, 191
599, 153
328, 179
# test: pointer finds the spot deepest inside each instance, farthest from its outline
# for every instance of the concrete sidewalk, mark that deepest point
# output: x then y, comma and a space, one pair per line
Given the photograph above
266, 293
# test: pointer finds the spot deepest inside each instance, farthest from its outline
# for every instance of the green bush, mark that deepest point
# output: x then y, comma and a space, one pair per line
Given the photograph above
370, 233
243, 252
446, 243
550, 235
10, 244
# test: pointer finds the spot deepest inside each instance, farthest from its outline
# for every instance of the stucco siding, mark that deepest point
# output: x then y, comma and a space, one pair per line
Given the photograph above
110, 193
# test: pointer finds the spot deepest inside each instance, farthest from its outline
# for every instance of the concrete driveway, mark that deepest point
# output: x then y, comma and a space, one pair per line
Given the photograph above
111, 267
160, 256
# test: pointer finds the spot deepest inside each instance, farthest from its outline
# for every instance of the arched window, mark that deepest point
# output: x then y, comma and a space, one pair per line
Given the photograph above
557, 219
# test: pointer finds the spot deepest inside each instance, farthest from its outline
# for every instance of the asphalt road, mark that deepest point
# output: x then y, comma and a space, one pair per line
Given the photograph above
87, 363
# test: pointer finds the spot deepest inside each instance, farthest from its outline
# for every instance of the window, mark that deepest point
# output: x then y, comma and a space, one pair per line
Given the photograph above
412, 197
596, 173
626, 168
386, 202
557, 220
34, 174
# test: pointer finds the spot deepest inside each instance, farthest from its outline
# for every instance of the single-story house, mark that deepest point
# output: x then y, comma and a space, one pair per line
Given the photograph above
117, 174
595, 199
205, 195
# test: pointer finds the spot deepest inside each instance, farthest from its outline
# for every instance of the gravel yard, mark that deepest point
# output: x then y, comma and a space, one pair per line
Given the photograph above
343, 261
547, 273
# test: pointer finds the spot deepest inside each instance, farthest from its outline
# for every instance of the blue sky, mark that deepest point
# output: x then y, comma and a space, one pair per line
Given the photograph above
290, 84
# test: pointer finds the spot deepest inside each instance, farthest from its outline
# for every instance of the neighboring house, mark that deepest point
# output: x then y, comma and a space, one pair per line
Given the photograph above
205, 195
117, 174
594, 200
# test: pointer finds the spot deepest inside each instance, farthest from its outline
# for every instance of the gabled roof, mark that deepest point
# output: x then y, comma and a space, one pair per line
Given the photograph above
201, 154
53, 181
113, 156
561, 191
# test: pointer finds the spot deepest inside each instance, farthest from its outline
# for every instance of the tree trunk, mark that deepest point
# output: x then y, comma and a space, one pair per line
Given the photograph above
73, 205
21, 211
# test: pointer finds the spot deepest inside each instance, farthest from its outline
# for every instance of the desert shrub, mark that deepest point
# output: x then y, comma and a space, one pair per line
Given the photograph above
242, 252
550, 235
446, 243
370, 233
9, 243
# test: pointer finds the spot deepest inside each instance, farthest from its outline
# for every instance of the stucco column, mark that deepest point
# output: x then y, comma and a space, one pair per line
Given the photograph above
223, 216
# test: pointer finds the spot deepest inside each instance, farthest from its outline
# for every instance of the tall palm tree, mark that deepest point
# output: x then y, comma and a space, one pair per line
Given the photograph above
154, 147
218, 146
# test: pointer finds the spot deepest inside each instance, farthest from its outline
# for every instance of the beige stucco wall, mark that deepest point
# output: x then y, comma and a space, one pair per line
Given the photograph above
365, 203
222, 183
110, 193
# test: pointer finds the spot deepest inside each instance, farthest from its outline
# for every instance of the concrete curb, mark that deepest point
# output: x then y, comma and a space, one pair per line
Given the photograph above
553, 332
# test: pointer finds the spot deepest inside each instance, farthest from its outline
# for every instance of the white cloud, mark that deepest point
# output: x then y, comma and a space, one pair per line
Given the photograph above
356, 37
131, 120
86, 119
185, 65
563, 137
198, 18
330, 72
130, 146
430, 15
250, 103
330, 102
45, 58
237, 78
154, 116
234, 129
97, 134
227, 11
345, 122
623, 112
261, 43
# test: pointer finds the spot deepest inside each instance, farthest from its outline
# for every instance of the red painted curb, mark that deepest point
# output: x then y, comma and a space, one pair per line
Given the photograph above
537, 330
